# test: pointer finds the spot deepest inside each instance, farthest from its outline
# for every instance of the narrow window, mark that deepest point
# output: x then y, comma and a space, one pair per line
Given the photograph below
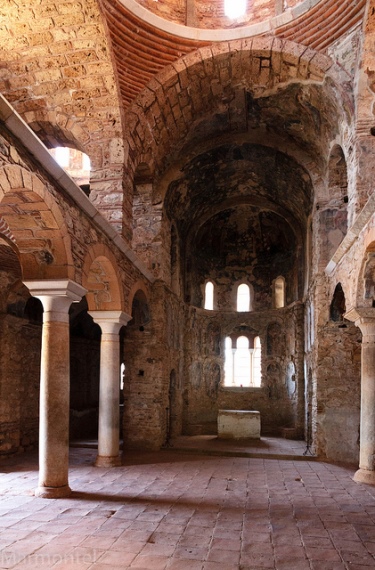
122, 374
256, 377
209, 296
242, 362
243, 298
279, 292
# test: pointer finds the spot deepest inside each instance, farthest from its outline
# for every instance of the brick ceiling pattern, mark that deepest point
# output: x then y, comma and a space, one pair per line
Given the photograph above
141, 51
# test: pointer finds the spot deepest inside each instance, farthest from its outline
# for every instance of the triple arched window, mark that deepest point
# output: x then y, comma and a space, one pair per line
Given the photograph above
242, 366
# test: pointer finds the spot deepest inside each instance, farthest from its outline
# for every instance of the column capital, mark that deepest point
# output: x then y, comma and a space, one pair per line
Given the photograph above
110, 321
361, 316
56, 288
56, 296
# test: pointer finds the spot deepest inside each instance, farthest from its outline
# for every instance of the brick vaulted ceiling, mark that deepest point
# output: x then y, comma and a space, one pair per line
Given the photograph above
141, 50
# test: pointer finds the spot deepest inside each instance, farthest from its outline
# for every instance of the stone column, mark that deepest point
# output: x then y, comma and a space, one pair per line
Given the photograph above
56, 297
364, 318
110, 323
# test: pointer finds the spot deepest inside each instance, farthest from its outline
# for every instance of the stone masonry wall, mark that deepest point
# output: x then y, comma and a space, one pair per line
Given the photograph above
19, 384
153, 383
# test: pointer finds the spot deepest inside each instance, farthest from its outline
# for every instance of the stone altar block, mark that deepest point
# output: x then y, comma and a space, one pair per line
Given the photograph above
238, 424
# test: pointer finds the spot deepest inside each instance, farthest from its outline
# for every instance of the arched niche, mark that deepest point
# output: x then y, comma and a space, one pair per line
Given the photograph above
140, 311
338, 305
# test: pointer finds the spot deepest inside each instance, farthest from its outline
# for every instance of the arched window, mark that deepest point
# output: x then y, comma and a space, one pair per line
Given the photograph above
209, 296
243, 298
242, 366
279, 292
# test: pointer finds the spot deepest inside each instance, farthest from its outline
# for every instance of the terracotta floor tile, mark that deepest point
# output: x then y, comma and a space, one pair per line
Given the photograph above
325, 554
157, 550
150, 562
180, 564
363, 558
116, 559
223, 556
210, 565
191, 553
174, 511
329, 565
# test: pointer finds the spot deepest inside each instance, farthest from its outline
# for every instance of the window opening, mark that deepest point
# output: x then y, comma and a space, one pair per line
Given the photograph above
122, 374
62, 156
209, 296
279, 292
243, 298
76, 163
242, 365
234, 8
242, 362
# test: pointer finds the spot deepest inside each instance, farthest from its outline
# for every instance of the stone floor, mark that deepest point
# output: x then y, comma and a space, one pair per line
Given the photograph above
188, 511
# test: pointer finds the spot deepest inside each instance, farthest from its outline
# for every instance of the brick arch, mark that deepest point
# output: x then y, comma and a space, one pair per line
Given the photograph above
35, 223
364, 287
202, 81
57, 129
102, 280
138, 286
139, 304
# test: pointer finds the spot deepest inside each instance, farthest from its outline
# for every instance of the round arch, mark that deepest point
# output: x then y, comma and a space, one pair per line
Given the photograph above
35, 224
358, 294
102, 280
138, 286
259, 67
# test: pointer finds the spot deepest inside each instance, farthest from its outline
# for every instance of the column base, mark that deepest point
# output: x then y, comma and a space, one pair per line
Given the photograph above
104, 461
53, 492
364, 476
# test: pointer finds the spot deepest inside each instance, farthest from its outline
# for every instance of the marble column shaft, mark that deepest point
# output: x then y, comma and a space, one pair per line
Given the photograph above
110, 323
56, 297
364, 318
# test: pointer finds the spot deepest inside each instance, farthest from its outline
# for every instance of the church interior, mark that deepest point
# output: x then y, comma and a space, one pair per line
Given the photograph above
187, 225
